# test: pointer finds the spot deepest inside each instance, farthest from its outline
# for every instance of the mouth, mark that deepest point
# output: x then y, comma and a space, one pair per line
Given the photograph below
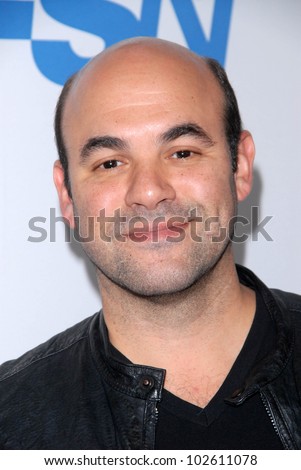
157, 233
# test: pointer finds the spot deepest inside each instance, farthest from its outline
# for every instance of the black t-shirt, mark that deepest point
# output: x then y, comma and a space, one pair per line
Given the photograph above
220, 425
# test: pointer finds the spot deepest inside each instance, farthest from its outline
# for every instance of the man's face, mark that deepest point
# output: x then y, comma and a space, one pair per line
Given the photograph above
146, 145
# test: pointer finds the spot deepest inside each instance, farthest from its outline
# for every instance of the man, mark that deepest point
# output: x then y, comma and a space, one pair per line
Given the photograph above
189, 352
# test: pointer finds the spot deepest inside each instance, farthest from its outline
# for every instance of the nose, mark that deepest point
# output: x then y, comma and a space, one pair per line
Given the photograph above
148, 187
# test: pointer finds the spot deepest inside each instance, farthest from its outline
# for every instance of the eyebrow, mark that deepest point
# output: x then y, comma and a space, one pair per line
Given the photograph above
101, 142
115, 143
189, 129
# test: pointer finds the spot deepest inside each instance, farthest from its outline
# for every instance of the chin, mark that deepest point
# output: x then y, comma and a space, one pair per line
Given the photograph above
155, 287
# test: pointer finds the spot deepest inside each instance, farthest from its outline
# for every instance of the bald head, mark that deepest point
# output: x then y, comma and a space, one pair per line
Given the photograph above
142, 52
137, 65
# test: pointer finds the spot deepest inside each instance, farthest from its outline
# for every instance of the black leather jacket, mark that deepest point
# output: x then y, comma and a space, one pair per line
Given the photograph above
69, 393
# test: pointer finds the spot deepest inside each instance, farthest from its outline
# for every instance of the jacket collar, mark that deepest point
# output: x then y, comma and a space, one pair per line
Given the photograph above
138, 381
271, 366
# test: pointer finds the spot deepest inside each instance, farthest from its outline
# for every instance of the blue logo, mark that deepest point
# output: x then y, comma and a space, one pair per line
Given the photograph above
112, 22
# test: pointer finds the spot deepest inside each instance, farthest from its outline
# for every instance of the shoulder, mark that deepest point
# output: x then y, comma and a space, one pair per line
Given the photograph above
45, 386
286, 300
289, 300
55, 346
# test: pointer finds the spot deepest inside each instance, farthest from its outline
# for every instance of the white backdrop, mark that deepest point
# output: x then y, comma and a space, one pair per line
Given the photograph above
48, 286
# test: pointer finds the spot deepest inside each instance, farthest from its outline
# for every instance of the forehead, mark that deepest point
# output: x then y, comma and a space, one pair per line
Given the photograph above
138, 83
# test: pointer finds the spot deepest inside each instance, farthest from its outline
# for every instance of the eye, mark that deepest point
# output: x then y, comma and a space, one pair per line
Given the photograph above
110, 164
182, 154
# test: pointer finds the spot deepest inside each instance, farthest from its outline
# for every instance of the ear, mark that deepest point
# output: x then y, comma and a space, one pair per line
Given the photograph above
244, 173
66, 203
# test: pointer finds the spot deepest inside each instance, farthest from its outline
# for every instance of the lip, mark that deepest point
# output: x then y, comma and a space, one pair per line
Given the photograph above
162, 232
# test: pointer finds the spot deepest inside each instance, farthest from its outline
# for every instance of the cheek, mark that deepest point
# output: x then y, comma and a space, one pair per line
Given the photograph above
213, 191
92, 198
205, 187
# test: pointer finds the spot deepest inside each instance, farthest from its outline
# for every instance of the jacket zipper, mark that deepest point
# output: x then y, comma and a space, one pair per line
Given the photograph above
156, 413
271, 416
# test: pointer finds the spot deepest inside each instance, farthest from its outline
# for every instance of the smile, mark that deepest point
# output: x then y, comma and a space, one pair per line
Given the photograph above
159, 233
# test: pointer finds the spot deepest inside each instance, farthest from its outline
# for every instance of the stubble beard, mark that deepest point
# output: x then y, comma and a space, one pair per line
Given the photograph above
164, 279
